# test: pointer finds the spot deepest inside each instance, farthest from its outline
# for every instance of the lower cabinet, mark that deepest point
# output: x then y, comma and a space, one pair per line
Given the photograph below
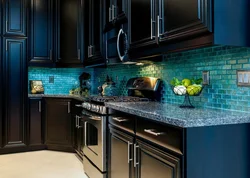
133, 158
36, 124
58, 132
14, 88
151, 162
120, 155
78, 136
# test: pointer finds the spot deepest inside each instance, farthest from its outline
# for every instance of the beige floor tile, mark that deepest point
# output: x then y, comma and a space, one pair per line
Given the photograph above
41, 164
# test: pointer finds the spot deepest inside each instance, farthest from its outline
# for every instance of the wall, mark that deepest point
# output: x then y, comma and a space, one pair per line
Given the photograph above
64, 79
221, 61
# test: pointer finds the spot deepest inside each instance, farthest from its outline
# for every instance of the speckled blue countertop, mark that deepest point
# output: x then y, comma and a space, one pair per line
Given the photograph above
185, 118
79, 98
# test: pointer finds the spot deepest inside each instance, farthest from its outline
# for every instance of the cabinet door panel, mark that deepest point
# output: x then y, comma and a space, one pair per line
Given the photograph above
15, 17
35, 126
155, 163
69, 35
41, 31
15, 91
119, 165
142, 22
176, 20
58, 123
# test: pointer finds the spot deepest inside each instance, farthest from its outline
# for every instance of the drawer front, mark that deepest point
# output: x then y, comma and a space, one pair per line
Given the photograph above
124, 122
161, 134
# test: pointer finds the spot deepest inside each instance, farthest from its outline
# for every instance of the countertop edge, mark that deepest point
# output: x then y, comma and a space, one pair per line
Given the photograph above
79, 98
192, 123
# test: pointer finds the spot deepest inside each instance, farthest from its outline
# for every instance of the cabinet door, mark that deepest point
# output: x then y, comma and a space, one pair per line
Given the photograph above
69, 21
143, 23
15, 92
152, 162
41, 39
121, 7
78, 136
35, 122
1, 88
178, 18
95, 41
58, 124
15, 17
120, 155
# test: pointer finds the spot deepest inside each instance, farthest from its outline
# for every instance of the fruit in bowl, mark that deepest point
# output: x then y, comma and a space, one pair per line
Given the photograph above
191, 87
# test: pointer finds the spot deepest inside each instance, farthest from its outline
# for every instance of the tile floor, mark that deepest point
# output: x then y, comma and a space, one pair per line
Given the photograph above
41, 164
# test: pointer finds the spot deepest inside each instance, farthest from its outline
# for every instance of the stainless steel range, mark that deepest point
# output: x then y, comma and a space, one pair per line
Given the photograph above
95, 119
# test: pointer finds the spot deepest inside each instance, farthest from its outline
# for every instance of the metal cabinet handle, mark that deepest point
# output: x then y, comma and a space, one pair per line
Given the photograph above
50, 54
76, 121
68, 107
119, 119
153, 132
79, 55
40, 106
158, 28
129, 159
110, 12
135, 155
78, 105
113, 12
152, 18
6, 26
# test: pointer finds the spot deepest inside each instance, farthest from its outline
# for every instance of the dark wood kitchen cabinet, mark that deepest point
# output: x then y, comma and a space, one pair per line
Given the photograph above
78, 128
14, 94
78, 136
70, 32
115, 9
15, 17
143, 27
139, 159
41, 33
176, 21
57, 33
166, 20
152, 162
36, 124
58, 134
120, 154
95, 23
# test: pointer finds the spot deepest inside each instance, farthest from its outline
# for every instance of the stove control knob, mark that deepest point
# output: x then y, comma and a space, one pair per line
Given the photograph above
97, 108
89, 106
93, 108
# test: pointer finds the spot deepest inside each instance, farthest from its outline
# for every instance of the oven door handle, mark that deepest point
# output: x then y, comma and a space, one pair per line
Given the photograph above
85, 133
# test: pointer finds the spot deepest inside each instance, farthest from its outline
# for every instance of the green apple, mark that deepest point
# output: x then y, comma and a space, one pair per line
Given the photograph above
186, 82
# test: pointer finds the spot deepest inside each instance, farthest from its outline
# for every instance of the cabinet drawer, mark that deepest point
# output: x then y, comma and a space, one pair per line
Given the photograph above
161, 134
125, 122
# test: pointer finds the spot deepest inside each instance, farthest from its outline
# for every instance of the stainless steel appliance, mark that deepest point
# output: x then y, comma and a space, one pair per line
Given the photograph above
95, 116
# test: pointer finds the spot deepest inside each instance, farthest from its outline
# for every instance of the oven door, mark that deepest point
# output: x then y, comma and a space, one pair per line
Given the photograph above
95, 139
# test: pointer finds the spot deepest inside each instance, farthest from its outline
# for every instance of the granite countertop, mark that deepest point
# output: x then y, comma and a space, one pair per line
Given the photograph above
185, 118
79, 98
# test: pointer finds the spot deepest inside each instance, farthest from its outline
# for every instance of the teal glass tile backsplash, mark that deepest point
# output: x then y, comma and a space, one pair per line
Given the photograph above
64, 79
221, 61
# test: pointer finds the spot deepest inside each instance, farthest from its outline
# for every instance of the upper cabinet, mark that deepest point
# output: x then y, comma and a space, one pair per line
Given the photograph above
14, 22
41, 37
69, 32
95, 19
177, 18
165, 20
142, 23
57, 33
163, 26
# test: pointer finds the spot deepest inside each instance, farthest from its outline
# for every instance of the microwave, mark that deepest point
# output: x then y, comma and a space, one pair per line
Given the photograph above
117, 45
